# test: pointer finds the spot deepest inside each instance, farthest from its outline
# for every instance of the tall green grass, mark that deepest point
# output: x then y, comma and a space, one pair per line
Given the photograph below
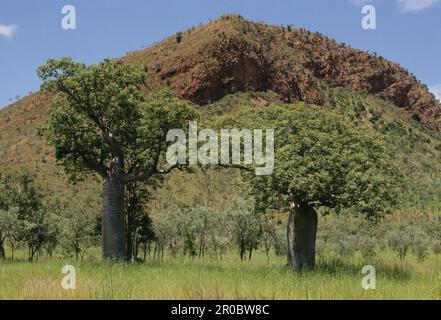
222, 279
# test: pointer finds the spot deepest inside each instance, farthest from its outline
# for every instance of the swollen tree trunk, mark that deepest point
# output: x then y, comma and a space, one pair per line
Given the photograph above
302, 232
113, 233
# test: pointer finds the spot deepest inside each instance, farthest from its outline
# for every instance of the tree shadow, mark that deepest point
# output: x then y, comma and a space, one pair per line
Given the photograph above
338, 266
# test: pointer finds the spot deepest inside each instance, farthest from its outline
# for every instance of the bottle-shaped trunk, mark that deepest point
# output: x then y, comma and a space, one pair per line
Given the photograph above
113, 233
302, 233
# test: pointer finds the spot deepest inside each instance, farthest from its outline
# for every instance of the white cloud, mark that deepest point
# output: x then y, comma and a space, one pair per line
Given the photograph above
436, 90
415, 5
7, 31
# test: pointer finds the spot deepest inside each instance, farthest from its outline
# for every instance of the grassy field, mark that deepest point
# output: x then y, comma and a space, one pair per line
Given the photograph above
222, 279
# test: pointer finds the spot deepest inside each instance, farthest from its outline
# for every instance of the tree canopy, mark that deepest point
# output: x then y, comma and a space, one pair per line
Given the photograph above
99, 114
322, 160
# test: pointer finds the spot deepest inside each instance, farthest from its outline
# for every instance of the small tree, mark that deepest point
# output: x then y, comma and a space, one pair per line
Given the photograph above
24, 218
219, 238
420, 244
11, 230
280, 245
136, 198
144, 235
367, 246
245, 226
268, 228
160, 229
203, 224
42, 228
436, 247
346, 246
399, 240
170, 227
178, 37
77, 231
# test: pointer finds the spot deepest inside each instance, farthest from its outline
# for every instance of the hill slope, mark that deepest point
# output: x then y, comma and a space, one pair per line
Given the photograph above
232, 54
212, 64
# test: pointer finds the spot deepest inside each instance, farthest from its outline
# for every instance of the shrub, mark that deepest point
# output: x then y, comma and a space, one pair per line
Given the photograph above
367, 246
399, 242
320, 248
280, 245
359, 110
436, 247
420, 244
178, 37
403, 238
375, 117
347, 246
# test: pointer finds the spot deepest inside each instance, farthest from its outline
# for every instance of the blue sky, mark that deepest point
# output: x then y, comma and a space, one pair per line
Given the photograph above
408, 31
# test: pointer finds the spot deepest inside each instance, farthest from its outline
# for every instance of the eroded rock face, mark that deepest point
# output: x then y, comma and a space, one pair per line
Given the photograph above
232, 54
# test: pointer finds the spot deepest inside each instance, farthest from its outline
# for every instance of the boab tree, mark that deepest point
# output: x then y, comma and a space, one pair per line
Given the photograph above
101, 124
320, 161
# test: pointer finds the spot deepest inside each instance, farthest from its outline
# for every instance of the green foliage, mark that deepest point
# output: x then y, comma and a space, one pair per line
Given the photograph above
322, 160
399, 241
18, 190
11, 230
144, 234
100, 114
436, 247
24, 218
347, 234
138, 223
77, 231
268, 228
92, 103
404, 237
375, 117
280, 246
360, 110
368, 246
245, 226
420, 245
41, 230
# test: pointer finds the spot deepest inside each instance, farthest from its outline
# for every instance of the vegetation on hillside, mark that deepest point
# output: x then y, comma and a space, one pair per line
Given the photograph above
356, 137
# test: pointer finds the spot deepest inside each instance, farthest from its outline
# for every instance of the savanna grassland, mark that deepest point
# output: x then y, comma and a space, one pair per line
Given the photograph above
195, 235
341, 253
228, 278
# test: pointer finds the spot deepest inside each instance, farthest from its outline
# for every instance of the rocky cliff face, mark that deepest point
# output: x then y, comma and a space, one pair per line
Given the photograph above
232, 54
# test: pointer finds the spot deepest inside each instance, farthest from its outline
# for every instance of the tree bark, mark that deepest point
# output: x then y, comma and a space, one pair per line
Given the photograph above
242, 250
131, 251
2, 250
302, 233
113, 233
